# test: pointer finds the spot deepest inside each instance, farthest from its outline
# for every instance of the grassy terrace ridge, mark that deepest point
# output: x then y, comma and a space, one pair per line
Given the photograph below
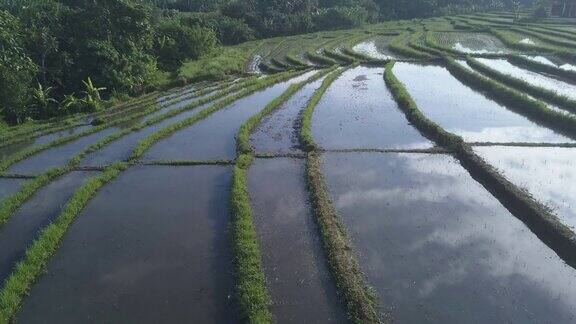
251, 292
519, 84
306, 140
258, 84
398, 45
359, 298
538, 218
515, 101
39, 252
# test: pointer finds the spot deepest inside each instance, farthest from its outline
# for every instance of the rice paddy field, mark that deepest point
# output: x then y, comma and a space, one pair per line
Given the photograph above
415, 171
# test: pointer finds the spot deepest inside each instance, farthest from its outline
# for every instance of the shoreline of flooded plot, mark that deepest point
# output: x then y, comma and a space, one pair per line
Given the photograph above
427, 234
34, 214
551, 62
213, 137
465, 112
534, 78
144, 249
547, 173
358, 111
278, 132
298, 280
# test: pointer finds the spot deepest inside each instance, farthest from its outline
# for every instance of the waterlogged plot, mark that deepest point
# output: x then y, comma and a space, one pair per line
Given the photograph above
358, 111
552, 62
376, 47
437, 247
121, 149
213, 138
9, 186
300, 285
23, 227
183, 102
534, 78
467, 113
278, 132
40, 140
146, 249
471, 43
59, 155
548, 173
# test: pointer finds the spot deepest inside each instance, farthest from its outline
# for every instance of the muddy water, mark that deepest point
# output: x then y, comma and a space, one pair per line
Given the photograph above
461, 110
40, 140
121, 149
278, 132
214, 137
36, 213
358, 111
58, 156
548, 173
9, 186
296, 271
145, 250
534, 78
437, 247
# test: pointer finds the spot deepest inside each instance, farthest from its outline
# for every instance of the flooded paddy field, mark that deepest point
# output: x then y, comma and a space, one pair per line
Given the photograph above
377, 47
213, 137
548, 173
534, 78
278, 132
552, 61
470, 43
145, 249
297, 275
358, 111
23, 227
57, 156
461, 110
437, 247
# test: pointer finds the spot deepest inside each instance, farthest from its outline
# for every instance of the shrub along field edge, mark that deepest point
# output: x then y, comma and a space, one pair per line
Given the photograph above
536, 216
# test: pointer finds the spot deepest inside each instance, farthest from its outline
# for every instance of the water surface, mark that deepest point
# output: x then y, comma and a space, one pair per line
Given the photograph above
548, 173
465, 112
358, 111
534, 78
42, 208
437, 247
376, 47
278, 132
146, 249
58, 156
9, 186
296, 272
214, 137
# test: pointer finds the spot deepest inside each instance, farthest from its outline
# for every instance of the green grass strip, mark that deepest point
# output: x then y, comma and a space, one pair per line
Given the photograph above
306, 140
38, 254
243, 138
360, 300
519, 84
345, 59
546, 38
259, 84
515, 101
568, 75
320, 59
398, 45
253, 297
